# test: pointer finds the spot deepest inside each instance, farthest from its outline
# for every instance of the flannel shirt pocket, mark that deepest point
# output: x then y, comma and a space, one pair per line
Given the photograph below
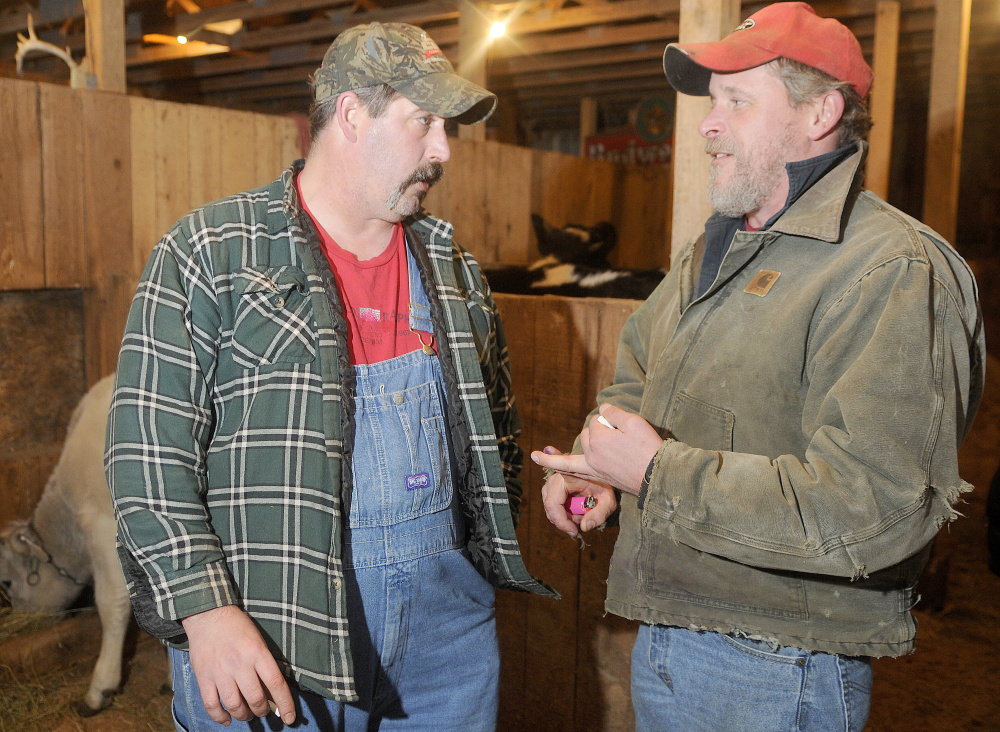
274, 321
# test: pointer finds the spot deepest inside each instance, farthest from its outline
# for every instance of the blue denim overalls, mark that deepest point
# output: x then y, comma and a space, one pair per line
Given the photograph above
421, 618
422, 622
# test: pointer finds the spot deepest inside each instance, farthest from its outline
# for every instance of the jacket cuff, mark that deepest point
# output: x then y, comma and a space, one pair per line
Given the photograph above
653, 462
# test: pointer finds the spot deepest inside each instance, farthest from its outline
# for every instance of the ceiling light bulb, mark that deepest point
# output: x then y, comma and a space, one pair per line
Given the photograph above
498, 29
182, 40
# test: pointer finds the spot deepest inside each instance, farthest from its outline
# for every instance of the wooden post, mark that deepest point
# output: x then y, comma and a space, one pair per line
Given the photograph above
883, 97
473, 43
946, 114
106, 42
700, 20
588, 122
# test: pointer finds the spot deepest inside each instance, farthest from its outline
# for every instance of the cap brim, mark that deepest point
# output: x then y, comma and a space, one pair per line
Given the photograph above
450, 96
689, 68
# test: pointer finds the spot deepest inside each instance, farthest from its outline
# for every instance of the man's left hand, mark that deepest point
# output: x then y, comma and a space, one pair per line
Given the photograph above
619, 456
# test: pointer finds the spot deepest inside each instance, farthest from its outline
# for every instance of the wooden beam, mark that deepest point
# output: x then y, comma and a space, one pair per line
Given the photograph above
139, 56
588, 122
416, 13
946, 115
883, 97
542, 18
700, 21
600, 73
106, 43
184, 24
473, 47
564, 61
595, 36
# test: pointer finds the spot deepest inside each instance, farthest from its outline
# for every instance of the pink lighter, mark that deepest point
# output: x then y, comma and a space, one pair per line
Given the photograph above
581, 504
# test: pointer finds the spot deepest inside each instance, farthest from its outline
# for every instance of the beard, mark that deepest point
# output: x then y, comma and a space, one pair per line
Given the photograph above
753, 179
430, 173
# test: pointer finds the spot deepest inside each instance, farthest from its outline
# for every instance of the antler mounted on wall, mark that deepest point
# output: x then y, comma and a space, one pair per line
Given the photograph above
80, 75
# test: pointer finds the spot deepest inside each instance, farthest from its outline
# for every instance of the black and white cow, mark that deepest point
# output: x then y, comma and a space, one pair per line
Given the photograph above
574, 264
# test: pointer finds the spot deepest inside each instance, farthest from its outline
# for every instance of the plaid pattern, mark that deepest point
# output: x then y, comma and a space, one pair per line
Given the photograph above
226, 441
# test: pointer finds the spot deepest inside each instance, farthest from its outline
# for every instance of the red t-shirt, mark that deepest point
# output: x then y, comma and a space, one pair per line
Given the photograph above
375, 295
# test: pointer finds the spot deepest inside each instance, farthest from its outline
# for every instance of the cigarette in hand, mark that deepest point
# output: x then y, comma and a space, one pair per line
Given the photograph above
606, 423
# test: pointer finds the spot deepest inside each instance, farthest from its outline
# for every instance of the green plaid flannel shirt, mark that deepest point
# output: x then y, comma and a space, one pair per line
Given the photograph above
226, 444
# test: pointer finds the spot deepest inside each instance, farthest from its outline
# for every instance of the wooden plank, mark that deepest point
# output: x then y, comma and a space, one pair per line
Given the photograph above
145, 230
173, 180
700, 21
604, 643
108, 203
238, 169
518, 315
946, 115
883, 97
560, 386
588, 122
22, 480
22, 255
246, 11
106, 43
567, 189
642, 216
267, 148
62, 186
290, 140
506, 192
204, 146
473, 47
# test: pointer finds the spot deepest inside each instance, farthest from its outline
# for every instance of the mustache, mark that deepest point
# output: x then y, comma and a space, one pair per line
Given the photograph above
718, 146
430, 173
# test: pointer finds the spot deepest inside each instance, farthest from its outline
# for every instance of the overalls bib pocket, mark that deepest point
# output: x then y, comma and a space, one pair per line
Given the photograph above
401, 470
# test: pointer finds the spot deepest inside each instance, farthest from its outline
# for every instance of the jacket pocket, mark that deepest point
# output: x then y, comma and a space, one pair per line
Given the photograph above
273, 321
699, 424
678, 573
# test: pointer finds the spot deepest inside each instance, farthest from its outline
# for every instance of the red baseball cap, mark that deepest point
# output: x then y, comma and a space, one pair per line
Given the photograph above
781, 30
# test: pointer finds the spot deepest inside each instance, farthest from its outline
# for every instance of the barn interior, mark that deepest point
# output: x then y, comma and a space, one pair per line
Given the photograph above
185, 101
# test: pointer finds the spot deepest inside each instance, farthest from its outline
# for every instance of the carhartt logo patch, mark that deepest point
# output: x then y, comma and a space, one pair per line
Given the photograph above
746, 25
420, 480
763, 282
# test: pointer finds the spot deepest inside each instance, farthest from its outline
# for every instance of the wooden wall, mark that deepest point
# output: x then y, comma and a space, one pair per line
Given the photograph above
490, 190
91, 180
565, 665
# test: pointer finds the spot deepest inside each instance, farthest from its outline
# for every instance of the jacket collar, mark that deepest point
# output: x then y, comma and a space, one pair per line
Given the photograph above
819, 211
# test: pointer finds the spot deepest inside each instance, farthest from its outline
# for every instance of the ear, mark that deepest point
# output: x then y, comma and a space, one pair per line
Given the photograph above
348, 113
26, 542
824, 113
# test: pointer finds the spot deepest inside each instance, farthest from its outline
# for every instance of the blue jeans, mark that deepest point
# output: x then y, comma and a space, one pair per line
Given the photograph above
421, 618
429, 661
699, 681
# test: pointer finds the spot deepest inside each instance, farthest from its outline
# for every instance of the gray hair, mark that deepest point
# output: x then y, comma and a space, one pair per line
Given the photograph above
375, 99
804, 83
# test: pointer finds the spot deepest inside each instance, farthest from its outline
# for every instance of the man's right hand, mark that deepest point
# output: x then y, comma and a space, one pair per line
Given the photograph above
559, 488
235, 670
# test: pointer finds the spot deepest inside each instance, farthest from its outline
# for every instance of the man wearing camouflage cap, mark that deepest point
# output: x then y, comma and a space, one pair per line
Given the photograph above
312, 444
788, 406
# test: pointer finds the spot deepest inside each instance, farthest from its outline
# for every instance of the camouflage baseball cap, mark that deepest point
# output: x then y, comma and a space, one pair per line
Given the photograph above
404, 57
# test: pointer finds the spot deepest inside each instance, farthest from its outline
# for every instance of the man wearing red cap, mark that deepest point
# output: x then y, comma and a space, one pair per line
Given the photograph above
781, 438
